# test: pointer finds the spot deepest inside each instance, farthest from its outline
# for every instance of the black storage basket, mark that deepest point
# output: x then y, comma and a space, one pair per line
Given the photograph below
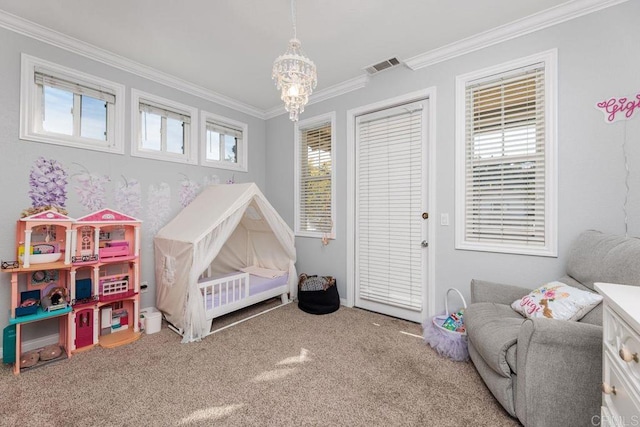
317, 294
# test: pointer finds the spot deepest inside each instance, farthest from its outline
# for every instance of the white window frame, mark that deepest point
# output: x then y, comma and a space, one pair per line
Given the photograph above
550, 247
241, 163
31, 103
298, 128
190, 155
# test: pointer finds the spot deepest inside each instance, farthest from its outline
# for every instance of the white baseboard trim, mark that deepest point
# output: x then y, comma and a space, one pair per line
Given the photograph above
36, 343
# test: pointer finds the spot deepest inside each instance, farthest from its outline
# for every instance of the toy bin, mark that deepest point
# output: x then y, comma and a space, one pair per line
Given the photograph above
29, 302
152, 320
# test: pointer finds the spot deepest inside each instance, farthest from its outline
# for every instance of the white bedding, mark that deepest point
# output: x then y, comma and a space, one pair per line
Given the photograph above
263, 272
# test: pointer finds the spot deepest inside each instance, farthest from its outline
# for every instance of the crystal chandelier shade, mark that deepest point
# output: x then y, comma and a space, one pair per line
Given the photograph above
294, 75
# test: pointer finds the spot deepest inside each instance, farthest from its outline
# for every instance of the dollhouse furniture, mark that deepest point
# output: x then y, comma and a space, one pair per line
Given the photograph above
548, 372
62, 275
621, 346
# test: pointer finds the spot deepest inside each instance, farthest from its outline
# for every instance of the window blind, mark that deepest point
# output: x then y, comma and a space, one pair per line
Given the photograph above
315, 210
505, 158
224, 130
105, 95
389, 206
163, 112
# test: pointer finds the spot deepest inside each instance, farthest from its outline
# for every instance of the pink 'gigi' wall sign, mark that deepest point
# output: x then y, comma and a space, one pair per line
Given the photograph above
615, 109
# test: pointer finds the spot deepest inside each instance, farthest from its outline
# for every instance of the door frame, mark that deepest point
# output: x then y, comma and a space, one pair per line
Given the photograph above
429, 96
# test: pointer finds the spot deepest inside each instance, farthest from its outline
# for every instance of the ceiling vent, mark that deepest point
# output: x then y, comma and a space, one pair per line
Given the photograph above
376, 68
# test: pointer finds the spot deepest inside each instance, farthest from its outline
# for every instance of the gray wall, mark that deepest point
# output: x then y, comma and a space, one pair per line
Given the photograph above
16, 157
597, 59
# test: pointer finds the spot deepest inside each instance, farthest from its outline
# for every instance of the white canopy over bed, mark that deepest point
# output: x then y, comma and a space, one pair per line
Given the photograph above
226, 228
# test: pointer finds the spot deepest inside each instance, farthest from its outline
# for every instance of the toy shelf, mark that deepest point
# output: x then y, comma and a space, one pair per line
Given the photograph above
119, 338
39, 315
58, 265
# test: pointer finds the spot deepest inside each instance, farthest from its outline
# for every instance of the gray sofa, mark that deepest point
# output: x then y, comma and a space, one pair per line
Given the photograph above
548, 372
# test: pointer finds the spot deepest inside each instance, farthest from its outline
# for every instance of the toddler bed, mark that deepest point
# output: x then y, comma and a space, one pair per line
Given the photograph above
201, 258
236, 290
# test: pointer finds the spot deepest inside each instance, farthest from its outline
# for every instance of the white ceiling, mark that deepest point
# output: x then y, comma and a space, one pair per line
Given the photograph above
228, 46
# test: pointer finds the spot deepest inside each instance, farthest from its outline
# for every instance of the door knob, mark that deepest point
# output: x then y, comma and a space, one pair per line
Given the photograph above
424, 243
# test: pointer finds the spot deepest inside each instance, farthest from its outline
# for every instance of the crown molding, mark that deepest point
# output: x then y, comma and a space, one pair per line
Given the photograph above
535, 22
327, 93
54, 38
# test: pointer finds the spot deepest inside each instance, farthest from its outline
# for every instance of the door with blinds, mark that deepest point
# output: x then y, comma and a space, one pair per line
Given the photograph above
391, 211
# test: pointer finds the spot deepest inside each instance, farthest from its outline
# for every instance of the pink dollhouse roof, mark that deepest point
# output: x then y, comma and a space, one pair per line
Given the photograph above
107, 216
49, 215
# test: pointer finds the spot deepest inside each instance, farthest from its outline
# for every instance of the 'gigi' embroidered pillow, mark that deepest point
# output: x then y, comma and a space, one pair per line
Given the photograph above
556, 300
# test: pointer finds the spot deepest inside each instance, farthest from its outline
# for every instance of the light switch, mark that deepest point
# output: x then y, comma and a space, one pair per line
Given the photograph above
444, 219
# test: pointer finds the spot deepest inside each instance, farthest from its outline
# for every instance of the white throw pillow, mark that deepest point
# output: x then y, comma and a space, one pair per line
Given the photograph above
557, 300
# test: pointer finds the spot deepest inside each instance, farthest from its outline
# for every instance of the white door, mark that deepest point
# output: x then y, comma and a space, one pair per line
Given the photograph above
391, 210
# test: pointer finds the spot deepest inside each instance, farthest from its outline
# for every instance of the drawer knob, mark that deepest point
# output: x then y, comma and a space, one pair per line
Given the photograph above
608, 389
626, 355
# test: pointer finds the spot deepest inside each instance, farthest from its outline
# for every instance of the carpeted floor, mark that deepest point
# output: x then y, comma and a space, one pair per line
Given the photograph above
286, 367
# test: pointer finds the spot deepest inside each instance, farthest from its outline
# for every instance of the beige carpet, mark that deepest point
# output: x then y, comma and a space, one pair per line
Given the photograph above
286, 367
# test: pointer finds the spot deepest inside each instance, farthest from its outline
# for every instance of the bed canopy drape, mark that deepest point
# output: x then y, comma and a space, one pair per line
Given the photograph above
225, 228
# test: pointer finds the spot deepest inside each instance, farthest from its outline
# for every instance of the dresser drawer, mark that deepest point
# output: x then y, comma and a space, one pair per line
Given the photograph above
620, 399
624, 345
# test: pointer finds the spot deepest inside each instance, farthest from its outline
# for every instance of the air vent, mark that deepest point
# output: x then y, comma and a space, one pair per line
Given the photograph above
376, 68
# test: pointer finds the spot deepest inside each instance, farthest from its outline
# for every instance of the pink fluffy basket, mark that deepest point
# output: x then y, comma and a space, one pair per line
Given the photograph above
448, 343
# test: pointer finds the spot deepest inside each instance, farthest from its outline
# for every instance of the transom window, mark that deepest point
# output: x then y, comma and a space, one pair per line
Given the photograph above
65, 107
506, 158
163, 129
223, 142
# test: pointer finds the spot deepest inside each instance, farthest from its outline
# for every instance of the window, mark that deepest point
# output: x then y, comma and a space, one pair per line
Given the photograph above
314, 183
506, 157
66, 107
163, 129
224, 143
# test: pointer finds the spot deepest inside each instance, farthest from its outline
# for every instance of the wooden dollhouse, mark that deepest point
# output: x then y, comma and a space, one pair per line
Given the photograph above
84, 272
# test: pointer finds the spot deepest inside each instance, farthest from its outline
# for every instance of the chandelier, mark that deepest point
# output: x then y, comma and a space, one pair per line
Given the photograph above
294, 74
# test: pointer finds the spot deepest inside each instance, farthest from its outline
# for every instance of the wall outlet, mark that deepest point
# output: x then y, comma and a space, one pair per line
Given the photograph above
144, 287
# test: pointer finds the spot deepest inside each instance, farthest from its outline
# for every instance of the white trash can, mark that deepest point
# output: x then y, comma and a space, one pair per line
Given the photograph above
152, 321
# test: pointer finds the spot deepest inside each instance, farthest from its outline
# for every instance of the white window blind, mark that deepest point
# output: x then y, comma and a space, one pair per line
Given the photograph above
224, 130
96, 92
504, 164
164, 112
389, 206
315, 210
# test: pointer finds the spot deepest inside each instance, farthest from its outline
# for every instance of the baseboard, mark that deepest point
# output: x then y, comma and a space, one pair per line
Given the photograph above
36, 343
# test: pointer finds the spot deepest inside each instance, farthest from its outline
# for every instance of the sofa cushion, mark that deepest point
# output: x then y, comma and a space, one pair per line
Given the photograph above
493, 329
599, 257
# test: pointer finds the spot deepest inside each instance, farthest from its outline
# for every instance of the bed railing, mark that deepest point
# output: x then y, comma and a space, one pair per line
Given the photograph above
224, 291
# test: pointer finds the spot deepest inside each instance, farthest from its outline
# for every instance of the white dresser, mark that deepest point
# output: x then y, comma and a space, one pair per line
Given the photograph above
620, 355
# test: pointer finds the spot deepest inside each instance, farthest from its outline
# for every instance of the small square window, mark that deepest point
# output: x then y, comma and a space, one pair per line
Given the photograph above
224, 140
163, 129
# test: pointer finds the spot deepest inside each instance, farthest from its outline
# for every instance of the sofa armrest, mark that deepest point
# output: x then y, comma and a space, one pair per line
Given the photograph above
482, 291
559, 366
